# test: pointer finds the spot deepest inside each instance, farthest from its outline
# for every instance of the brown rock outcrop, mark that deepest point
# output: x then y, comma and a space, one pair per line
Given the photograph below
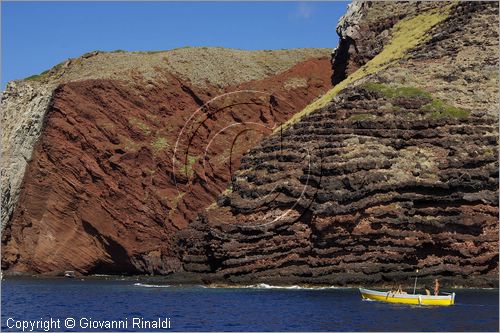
122, 161
399, 172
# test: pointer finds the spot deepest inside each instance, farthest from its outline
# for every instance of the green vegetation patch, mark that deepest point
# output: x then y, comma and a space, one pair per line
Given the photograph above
438, 108
159, 144
38, 76
396, 92
45, 74
188, 166
441, 109
228, 190
489, 152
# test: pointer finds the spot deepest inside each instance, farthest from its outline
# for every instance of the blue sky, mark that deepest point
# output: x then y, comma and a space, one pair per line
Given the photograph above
38, 35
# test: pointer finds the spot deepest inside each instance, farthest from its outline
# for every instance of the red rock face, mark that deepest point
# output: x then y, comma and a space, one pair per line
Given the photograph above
104, 193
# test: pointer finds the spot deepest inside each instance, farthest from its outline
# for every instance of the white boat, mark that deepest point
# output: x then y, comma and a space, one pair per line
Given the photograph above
404, 298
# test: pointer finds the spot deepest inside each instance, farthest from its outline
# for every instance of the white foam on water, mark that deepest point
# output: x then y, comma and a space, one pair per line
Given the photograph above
293, 287
151, 285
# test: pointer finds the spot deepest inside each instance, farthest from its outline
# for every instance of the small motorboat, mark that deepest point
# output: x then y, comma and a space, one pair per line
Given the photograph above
404, 298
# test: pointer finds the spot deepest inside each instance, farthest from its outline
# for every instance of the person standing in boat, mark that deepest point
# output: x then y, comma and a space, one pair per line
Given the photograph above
436, 287
400, 290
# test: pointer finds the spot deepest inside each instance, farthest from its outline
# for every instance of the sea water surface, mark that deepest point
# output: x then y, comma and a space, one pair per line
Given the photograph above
255, 308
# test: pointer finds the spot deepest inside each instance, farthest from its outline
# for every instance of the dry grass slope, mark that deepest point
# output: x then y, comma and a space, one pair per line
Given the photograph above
407, 34
200, 65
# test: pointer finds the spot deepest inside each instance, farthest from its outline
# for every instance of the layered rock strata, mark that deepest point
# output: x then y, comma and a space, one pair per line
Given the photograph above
398, 172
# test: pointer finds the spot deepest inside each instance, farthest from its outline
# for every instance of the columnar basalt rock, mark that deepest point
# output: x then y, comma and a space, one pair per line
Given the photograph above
398, 172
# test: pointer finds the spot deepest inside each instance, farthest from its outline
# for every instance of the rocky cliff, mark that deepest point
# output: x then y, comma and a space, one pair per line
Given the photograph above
394, 169
106, 156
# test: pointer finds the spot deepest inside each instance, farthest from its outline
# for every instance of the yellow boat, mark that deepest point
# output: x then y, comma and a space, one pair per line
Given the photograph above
392, 297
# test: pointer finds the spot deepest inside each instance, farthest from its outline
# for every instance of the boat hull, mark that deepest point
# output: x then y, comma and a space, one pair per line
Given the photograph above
390, 297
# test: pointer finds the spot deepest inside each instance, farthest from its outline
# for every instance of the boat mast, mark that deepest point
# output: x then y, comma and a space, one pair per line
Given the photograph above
415, 285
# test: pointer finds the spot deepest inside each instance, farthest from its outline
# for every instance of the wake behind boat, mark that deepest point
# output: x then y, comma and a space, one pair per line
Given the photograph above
404, 298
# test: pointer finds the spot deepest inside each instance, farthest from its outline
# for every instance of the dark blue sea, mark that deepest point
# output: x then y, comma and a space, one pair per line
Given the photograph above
196, 308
